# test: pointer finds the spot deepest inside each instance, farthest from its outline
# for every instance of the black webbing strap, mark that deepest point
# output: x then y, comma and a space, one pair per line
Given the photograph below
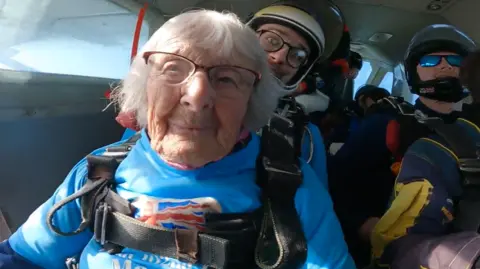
281, 242
228, 242
97, 188
290, 109
467, 150
215, 249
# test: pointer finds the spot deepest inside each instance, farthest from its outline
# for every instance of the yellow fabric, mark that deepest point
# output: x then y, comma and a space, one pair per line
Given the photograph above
410, 199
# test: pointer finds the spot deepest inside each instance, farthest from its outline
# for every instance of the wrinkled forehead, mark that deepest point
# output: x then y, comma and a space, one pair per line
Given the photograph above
288, 34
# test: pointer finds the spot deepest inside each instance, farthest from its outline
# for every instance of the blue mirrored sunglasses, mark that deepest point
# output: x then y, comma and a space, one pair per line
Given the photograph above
434, 60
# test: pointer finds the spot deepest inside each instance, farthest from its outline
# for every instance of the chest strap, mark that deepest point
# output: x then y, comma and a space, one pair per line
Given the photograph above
468, 153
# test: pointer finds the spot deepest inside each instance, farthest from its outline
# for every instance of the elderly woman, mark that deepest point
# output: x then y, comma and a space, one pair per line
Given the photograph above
199, 87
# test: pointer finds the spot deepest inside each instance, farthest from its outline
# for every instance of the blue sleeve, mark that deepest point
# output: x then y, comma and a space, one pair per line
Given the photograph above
319, 159
11, 260
128, 133
35, 242
326, 245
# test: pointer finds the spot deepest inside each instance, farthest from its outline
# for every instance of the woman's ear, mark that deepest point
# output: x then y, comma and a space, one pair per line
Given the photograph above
128, 120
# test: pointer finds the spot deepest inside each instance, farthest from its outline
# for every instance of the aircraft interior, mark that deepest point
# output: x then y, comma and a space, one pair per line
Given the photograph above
59, 58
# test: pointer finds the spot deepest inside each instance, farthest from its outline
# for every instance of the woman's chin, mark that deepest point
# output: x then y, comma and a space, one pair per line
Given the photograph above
189, 153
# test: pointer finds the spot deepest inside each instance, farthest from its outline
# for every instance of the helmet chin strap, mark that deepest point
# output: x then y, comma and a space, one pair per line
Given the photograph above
442, 89
288, 89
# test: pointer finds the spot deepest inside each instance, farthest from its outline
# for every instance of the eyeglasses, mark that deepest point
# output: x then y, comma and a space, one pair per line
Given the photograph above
175, 69
434, 60
272, 42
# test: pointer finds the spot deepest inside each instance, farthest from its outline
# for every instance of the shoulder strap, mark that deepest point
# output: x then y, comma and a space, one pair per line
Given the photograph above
281, 242
290, 109
101, 171
391, 105
467, 153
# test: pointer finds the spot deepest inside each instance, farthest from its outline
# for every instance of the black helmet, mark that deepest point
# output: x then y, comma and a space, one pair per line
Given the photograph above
298, 16
435, 38
371, 91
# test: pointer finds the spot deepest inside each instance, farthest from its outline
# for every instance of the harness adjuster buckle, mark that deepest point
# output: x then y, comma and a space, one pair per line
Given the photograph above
282, 178
290, 170
470, 169
71, 263
469, 165
101, 222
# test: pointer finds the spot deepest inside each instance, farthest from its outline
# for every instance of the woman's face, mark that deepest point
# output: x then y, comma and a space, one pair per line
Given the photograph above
196, 104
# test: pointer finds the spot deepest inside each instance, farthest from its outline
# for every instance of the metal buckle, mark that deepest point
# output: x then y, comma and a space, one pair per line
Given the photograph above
280, 169
101, 218
71, 263
470, 169
281, 179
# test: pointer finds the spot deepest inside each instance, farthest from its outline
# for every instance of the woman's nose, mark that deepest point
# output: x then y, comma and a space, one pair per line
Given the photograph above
198, 93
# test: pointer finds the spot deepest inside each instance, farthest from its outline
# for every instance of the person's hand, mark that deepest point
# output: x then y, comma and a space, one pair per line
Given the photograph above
367, 227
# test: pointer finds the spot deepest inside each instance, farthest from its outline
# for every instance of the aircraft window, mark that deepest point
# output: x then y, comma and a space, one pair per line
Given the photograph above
387, 82
362, 77
86, 38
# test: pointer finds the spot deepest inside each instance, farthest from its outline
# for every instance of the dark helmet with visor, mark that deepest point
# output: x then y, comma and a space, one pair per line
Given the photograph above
437, 38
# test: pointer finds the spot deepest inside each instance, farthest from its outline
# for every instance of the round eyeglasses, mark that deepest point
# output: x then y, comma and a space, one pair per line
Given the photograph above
272, 42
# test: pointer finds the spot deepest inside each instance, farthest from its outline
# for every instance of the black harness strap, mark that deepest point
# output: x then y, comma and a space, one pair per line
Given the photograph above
228, 241
468, 152
281, 242
290, 109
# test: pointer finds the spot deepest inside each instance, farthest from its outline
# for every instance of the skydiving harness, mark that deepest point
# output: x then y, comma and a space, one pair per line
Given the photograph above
414, 124
290, 110
270, 238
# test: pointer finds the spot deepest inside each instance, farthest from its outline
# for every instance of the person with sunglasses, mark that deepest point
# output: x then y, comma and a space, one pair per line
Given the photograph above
432, 68
432, 219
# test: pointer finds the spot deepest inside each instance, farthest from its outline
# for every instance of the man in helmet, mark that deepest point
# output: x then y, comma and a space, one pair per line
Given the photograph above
433, 219
295, 41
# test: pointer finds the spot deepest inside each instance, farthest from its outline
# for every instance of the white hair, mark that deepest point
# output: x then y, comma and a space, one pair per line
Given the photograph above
221, 34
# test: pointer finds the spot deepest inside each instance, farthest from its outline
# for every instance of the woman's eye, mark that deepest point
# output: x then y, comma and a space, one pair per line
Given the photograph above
227, 80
